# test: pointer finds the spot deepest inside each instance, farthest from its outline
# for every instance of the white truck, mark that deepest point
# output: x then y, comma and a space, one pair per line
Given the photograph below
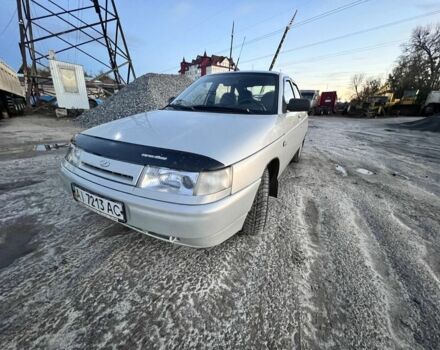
432, 103
12, 98
313, 97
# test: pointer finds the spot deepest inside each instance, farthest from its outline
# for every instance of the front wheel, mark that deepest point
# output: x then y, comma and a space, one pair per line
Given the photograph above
257, 216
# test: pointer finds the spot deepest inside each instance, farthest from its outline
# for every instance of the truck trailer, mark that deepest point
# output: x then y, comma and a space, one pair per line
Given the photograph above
327, 103
12, 97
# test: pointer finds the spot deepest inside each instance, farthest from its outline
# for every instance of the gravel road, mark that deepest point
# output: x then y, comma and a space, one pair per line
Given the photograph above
350, 258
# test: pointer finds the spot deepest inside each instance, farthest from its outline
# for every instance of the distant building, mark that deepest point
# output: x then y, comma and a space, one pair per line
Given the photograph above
205, 64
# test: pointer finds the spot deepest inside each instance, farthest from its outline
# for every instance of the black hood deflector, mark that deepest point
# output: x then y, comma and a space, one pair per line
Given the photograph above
146, 155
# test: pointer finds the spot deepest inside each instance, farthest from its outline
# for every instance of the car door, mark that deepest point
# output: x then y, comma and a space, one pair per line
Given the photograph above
290, 121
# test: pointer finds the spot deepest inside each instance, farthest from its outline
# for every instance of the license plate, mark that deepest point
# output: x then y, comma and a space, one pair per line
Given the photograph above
104, 206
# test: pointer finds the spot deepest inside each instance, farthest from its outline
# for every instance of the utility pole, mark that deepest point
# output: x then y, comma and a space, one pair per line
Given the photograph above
27, 78
232, 42
282, 40
239, 55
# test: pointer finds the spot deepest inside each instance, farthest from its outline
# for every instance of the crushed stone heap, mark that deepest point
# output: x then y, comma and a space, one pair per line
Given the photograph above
148, 92
426, 124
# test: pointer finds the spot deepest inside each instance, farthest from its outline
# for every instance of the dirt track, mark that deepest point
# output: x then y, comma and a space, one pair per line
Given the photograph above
349, 260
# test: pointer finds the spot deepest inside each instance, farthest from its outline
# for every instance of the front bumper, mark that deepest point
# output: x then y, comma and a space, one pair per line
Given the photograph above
200, 226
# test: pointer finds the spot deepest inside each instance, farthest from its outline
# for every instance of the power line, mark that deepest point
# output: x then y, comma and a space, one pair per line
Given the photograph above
347, 35
9, 22
345, 52
303, 22
211, 41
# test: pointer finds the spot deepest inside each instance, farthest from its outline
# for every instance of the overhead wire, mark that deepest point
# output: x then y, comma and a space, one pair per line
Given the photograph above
5, 28
343, 52
344, 36
306, 21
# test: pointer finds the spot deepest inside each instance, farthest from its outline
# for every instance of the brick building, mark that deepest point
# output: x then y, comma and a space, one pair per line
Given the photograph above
205, 64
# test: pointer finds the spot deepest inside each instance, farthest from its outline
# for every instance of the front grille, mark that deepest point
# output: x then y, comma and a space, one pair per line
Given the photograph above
104, 172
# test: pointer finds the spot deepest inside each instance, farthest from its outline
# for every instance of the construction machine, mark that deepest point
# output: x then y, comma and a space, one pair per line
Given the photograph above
407, 105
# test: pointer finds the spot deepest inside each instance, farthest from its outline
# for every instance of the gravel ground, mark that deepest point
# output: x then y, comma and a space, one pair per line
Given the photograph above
20, 135
148, 92
350, 258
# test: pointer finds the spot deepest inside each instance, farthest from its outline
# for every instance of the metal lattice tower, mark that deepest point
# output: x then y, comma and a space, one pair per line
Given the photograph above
104, 30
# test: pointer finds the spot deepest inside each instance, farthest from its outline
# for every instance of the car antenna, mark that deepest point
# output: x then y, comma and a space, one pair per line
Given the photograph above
239, 55
282, 40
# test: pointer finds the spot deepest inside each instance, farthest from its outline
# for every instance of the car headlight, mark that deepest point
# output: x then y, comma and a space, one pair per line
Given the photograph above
185, 183
73, 155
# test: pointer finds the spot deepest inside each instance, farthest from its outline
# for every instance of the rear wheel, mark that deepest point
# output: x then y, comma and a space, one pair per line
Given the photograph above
257, 216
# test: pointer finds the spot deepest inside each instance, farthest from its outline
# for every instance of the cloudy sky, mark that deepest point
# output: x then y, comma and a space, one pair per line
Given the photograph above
329, 42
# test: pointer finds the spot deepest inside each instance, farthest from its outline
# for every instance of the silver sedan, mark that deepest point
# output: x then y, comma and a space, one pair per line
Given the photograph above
199, 170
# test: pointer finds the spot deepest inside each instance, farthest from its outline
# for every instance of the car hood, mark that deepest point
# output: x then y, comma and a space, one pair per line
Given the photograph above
227, 138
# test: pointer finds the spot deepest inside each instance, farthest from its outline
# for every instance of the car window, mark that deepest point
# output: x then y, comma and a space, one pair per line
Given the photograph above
288, 92
259, 91
222, 90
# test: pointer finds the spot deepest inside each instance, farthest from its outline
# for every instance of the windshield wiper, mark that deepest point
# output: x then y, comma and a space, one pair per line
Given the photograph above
180, 107
221, 109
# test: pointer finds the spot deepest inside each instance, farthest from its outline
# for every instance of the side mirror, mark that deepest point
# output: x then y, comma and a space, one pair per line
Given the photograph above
171, 99
298, 105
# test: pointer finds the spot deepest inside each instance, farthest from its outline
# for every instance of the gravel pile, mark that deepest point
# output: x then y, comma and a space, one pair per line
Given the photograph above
148, 92
425, 124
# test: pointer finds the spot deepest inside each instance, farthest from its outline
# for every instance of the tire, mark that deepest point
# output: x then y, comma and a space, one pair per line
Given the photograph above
92, 104
428, 110
257, 216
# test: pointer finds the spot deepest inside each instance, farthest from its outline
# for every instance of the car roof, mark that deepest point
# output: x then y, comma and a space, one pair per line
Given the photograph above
279, 74
251, 72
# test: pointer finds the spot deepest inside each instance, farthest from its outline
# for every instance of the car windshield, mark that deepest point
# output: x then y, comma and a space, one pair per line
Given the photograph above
245, 93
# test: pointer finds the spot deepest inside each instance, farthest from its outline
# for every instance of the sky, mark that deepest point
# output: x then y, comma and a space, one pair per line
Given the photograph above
329, 42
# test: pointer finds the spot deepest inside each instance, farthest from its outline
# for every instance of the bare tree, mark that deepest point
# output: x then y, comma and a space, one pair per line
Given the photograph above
365, 87
371, 87
419, 65
356, 82
425, 41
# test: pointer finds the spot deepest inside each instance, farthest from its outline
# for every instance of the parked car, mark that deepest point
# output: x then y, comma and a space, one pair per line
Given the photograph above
199, 170
313, 97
